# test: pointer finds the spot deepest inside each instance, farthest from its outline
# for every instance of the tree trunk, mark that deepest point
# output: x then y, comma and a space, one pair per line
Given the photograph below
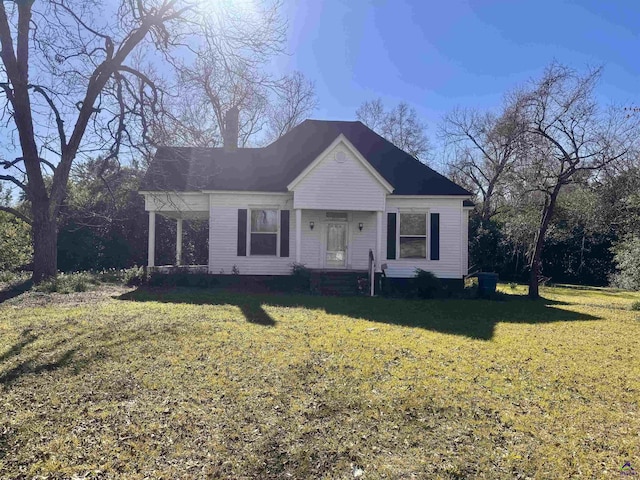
536, 259
486, 205
536, 268
45, 243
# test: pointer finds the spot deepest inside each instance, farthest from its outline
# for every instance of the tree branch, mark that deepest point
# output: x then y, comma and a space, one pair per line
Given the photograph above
8, 164
14, 180
17, 214
143, 77
56, 112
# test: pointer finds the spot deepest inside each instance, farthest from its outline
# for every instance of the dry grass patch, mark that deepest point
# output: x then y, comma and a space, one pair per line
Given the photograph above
186, 383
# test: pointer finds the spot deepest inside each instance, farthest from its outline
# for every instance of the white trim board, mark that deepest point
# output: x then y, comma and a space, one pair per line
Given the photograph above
444, 197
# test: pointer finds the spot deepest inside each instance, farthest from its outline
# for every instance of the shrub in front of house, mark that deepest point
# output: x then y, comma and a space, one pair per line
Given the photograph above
301, 276
426, 284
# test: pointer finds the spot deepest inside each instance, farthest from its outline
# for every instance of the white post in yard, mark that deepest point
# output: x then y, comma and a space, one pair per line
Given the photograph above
378, 240
179, 241
152, 239
298, 234
372, 273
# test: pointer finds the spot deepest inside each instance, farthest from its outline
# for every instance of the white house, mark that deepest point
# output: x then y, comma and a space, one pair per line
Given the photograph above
324, 195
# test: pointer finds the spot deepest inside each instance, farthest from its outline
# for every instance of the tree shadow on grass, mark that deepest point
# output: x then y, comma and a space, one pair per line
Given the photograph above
4, 443
254, 313
26, 338
34, 367
15, 290
471, 318
36, 364
52, 355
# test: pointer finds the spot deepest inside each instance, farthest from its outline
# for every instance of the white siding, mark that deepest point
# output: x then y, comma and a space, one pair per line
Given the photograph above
332, 185
453, 243
362, 241
223, 235
222, 209
312, 241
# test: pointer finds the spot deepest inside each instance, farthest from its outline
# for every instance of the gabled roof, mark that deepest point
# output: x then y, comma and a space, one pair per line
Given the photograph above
341, 139
272, 168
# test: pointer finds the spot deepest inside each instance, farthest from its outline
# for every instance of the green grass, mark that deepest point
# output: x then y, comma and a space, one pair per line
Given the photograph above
197, 384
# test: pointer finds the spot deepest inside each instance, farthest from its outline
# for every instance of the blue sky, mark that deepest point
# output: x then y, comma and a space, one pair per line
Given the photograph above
436, 55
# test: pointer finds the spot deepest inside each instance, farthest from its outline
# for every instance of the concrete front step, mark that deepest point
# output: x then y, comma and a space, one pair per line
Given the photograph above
340, 283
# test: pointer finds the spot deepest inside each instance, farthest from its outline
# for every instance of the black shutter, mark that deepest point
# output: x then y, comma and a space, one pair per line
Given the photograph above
435, 236
391, 236
242, 232
284, 233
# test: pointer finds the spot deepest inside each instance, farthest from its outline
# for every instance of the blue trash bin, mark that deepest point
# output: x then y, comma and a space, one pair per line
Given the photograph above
487, 283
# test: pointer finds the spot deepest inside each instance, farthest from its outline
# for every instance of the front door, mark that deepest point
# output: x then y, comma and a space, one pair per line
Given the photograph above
336, 253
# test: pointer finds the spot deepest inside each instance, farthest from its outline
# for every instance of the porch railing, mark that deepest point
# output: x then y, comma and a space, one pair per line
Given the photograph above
372, 272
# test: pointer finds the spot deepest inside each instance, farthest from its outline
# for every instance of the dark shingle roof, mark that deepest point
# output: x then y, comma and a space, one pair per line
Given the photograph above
273, 167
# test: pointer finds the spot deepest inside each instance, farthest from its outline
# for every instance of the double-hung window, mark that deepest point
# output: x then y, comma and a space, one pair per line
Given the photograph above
413, 235
264, 232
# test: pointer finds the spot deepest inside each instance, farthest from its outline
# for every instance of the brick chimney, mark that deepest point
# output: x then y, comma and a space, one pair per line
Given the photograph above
230, 138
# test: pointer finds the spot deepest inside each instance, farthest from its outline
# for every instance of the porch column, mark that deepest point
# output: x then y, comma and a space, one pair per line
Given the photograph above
152, 239
298, 234
179, 241
379, 240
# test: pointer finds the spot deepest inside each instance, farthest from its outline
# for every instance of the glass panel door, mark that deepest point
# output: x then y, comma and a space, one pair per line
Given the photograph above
336, 245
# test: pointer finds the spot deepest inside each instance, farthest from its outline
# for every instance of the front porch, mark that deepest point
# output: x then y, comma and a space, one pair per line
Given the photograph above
318, 239
173, 226
338, 240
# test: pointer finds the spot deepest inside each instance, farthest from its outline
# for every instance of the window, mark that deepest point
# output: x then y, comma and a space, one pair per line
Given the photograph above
264, 232
413, 235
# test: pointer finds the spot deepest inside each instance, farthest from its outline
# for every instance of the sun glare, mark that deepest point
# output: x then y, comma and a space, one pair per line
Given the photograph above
238, 8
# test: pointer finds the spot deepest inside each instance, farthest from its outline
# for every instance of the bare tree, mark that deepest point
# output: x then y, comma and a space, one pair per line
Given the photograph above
400, 126
70, 88
187, 121
485, 149
216, 84
372, 113
567, 139
295, 100
221, 79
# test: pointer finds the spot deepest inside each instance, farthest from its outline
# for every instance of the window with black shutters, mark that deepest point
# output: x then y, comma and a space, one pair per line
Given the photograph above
413, 235
264, 232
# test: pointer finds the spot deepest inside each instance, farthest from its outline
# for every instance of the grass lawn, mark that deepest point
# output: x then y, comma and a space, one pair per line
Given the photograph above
122, 383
